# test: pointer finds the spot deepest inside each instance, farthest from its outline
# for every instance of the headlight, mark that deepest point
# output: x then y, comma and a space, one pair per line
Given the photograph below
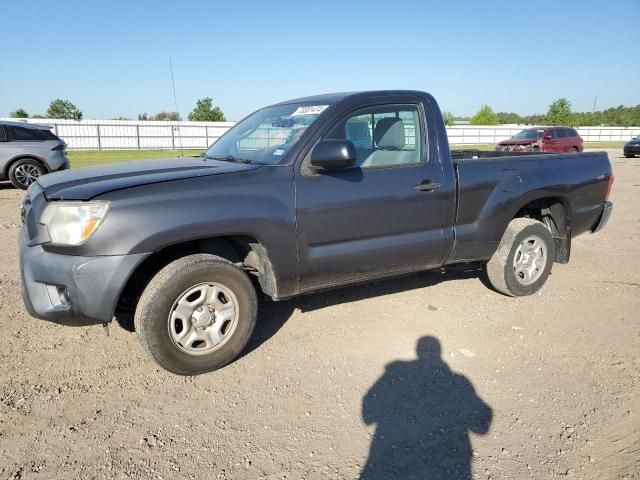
73, 223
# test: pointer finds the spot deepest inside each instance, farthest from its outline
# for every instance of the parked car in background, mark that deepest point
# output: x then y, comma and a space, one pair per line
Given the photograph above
550, 139
632, 147
28, 151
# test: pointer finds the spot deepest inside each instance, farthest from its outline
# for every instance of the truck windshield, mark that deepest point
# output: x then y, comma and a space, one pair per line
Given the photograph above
267, 135
528, 135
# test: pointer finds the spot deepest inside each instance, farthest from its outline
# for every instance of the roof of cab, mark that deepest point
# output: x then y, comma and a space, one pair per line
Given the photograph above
330, 98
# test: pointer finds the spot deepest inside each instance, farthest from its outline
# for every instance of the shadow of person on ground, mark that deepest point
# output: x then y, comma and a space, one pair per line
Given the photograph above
423, 414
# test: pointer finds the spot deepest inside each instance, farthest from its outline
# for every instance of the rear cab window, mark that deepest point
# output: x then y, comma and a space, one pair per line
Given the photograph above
3, 135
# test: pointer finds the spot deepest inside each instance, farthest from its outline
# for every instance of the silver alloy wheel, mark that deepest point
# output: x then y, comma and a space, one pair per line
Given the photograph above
530, 260
203, 318
26, 174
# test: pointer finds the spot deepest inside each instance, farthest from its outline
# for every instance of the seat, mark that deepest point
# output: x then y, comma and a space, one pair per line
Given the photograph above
358, 133
389, 141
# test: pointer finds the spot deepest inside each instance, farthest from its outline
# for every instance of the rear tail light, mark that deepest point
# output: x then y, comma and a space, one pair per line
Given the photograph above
60, 148
611, 178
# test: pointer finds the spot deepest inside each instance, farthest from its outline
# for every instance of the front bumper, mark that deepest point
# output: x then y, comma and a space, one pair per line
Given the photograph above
69, 288
604, 217
515, 148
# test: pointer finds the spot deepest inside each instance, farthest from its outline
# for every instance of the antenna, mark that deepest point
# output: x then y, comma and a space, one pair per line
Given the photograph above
175, 104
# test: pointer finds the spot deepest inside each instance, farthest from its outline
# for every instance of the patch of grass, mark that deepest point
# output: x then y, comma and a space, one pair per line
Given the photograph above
619, 144
85, 159
473, 147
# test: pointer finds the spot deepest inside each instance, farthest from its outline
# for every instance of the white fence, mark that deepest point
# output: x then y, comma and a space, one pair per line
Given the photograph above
152, 135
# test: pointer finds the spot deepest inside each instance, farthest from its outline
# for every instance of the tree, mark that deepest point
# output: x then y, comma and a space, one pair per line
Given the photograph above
509, 117
63, 109
19, 113
485, 116
560, 113
172, 116
535, 119
206, 112
38, 115
143, 116
449, 119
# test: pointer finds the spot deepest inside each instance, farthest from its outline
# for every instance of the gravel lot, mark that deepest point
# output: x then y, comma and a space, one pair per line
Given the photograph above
540, 387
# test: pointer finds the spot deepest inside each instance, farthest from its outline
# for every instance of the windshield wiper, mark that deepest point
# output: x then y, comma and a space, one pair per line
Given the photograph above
229, 158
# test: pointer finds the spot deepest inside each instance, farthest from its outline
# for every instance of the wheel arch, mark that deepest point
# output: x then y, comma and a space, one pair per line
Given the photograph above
555, 213
244, 251
19, 157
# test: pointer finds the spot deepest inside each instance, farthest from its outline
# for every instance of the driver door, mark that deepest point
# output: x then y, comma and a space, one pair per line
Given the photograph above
373, 220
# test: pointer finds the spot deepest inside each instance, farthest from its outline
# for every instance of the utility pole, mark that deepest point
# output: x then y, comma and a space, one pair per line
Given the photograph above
595, 100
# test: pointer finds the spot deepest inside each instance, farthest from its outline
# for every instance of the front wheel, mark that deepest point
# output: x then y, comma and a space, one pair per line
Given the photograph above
197, 314
524, 258
573, 150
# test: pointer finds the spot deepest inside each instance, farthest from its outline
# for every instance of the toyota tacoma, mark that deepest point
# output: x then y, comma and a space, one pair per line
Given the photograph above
302, 196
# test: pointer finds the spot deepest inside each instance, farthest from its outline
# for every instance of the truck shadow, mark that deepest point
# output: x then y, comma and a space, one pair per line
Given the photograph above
423, 412
273, 315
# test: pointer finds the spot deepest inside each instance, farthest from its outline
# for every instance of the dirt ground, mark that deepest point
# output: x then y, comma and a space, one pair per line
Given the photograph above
339, 383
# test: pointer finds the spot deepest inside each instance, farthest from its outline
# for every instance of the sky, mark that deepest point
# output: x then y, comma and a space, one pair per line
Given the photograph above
111, 58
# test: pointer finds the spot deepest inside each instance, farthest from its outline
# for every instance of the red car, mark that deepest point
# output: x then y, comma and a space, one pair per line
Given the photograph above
549, 139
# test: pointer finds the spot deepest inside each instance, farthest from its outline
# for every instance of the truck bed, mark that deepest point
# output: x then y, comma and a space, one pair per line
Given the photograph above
492, 187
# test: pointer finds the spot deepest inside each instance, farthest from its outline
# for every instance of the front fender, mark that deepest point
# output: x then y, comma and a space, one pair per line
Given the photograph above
257, 203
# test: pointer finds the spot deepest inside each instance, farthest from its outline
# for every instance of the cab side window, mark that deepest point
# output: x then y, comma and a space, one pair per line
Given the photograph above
3, 135
384, 136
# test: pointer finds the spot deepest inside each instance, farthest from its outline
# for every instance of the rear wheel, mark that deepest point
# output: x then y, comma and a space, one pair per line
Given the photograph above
524, 258
197, 314
24, 172
573, 150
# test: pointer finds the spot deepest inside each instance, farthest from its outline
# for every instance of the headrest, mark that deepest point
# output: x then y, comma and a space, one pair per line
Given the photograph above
358, 132
389, 133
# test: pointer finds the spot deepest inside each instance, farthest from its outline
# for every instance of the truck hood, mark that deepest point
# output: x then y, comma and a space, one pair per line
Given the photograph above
86, 183
526, 141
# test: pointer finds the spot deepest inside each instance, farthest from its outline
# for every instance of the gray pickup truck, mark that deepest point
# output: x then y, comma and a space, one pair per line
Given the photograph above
301, 196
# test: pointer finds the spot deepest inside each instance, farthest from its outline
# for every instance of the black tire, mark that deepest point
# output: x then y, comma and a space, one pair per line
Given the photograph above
573, 150
152, 323
24, 172
501, 270
629, 156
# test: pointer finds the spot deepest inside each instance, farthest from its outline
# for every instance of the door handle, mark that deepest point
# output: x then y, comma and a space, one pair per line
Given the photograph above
427, 186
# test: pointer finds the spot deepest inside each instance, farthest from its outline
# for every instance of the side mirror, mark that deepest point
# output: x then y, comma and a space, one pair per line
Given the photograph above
333, 154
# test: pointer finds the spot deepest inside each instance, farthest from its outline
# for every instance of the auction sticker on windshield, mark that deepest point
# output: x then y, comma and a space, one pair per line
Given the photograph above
309, 110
